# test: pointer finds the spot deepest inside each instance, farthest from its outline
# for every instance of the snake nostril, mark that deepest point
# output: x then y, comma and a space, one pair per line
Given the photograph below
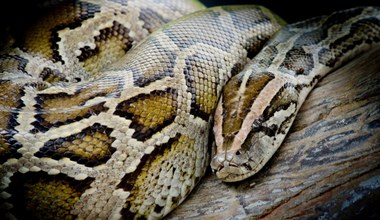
217, 163
219, 168
247, 166
237, 153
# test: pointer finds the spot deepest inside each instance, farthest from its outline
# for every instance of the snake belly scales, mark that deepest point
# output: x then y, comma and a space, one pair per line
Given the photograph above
109, 109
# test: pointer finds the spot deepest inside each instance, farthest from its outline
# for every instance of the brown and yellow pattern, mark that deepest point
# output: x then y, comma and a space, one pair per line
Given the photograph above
42, 38
82, 138
201, 85
335, 53
57, 195
12, 64
110, 45
149, 113
54, 110
52, 75
169, 159
90, 147
10, 101
237, 107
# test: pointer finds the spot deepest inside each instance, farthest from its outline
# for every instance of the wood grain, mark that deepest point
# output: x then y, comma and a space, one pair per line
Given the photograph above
328, 166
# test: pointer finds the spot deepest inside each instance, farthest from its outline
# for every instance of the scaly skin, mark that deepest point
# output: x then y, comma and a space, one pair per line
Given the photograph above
84, 139
258, 106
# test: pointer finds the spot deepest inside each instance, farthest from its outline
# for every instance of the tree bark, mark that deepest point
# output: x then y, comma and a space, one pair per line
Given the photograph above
328, 166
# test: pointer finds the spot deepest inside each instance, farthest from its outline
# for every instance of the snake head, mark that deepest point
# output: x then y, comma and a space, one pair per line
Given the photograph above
253, 115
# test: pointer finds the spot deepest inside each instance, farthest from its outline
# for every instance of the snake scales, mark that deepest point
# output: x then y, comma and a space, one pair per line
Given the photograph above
95, 125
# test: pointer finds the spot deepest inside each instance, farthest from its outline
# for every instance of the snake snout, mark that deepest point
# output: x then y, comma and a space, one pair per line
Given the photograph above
231, 165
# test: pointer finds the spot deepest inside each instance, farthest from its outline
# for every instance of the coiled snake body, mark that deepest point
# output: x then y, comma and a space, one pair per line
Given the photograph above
94, 125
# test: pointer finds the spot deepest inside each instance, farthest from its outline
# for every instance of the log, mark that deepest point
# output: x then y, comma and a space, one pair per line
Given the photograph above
328, 166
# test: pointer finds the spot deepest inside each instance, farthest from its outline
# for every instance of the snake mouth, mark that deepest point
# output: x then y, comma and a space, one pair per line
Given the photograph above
232, 173
231, 166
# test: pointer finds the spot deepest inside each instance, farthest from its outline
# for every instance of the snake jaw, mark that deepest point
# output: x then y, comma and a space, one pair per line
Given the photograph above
232, 166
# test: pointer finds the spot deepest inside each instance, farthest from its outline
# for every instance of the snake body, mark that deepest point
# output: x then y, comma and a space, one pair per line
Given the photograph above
99, 120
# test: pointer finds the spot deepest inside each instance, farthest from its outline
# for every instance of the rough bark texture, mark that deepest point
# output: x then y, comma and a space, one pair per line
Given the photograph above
328, 166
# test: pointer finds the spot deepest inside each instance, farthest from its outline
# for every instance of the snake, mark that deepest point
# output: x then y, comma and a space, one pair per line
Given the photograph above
116, 109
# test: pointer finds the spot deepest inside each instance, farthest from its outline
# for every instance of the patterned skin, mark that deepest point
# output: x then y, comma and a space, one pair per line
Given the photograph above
99, 140
258, 105
101, 121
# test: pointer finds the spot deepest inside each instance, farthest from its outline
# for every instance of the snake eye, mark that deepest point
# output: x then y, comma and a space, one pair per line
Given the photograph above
224, 114
256, 125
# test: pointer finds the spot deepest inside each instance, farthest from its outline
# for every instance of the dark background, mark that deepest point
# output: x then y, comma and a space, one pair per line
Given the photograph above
291, 10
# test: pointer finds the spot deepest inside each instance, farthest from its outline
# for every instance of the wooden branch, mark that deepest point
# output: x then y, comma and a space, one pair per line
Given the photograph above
328, 166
